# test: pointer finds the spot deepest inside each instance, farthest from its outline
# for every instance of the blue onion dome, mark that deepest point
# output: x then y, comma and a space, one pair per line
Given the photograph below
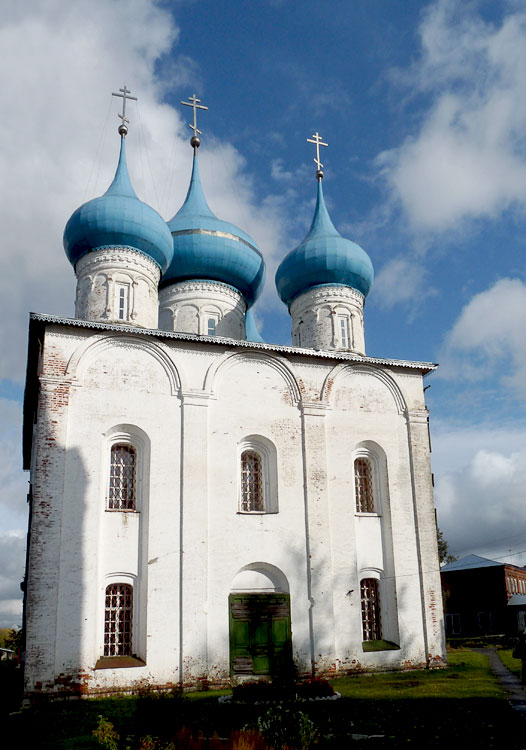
118, 219
210, 249
323, 258
252, 330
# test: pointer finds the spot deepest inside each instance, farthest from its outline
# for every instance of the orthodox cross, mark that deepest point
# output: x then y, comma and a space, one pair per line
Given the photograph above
195, 103
316, 138
124, 95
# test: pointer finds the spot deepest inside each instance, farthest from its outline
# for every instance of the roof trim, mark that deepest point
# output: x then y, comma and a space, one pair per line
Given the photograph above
425, 367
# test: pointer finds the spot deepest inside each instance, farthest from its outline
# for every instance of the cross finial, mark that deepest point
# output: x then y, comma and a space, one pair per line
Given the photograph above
316, 138
195, 103
123, 127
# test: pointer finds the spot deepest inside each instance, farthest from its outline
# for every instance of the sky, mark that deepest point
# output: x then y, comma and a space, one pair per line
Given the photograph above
423, 105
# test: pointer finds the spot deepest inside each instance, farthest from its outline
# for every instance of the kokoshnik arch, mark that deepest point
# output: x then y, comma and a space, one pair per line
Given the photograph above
204, 505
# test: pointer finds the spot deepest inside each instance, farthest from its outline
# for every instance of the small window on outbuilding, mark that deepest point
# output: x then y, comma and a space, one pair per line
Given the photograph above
118, 620
364, 486
123, 477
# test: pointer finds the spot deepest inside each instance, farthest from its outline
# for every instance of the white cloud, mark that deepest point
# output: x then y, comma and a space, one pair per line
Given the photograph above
401, 279
13, 504
467, 159
488, 338
12, 561
60, 63
480, 488
488, 468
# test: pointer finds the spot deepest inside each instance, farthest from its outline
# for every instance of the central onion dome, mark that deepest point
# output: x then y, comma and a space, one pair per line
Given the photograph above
210, 249
118, 219
324, 258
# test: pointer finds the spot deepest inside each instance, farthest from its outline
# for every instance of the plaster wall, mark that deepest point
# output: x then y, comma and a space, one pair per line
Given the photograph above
189, 407
190, 306
329, 317
117, 285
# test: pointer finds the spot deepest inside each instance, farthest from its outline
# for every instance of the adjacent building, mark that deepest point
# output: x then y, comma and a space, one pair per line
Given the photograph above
483, 597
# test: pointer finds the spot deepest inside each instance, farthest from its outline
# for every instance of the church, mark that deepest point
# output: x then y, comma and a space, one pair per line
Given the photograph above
205, 507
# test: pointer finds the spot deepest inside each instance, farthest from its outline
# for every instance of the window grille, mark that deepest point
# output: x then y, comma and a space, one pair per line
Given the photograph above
252, 488
118, 617
370, 596
123, 470
363, 482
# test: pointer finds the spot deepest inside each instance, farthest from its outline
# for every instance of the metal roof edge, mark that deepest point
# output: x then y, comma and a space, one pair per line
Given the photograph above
279, 348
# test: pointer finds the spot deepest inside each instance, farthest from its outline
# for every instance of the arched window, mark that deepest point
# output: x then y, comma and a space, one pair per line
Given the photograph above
210, 319
211, 326
364, 486
258, 475
118, 620
370, 597
122, 292
343, 331
252, 482
122, 494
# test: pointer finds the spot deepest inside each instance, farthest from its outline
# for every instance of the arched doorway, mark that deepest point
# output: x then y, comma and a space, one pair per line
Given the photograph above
260, 632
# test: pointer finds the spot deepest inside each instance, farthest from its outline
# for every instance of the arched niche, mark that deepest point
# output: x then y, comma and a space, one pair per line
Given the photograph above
260, 577
125, 361
362, 387
276, 365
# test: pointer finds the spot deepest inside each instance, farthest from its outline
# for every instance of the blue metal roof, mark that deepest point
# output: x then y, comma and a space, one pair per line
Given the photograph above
251, 328
470, 562
208, 248
118, 219
323, 258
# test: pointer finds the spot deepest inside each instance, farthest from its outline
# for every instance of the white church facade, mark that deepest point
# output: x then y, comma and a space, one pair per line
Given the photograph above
207, 507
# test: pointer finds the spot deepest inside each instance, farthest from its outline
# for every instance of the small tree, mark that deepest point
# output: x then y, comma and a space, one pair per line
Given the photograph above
106, 735
13, 639
444, 556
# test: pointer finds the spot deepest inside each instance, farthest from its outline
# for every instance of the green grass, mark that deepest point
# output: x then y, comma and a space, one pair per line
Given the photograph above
514, 665
481, 641
467, 676
462, 704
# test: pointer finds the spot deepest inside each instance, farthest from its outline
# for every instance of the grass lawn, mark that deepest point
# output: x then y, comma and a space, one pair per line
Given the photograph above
460, 704
514, 665
467, 676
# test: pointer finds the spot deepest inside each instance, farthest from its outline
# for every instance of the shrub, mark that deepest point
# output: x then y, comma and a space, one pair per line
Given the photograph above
316, 687
247, 739
106, 735
285, 726
252, 692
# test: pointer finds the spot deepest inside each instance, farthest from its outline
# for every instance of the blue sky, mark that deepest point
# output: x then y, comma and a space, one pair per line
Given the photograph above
423, 105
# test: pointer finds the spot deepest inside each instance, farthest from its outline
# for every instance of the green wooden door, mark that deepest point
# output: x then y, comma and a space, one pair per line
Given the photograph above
260, 634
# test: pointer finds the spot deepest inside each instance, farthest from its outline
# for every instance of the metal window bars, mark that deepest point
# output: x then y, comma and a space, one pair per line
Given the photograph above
118, 619
370, 597
252, 492
363, 481
123, 471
